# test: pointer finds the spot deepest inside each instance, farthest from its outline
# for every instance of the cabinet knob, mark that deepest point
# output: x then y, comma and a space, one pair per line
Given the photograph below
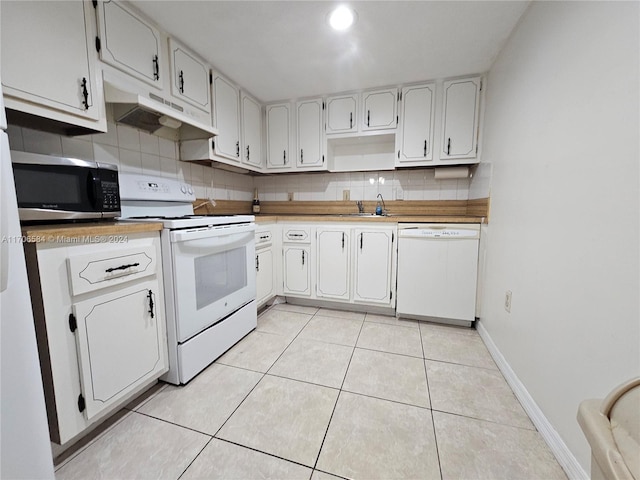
85, 93
449, 146
425, 148
181, 80
350, 119
368, 116
156, 68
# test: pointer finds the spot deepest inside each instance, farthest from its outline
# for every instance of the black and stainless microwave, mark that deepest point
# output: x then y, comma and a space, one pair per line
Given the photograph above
58, 188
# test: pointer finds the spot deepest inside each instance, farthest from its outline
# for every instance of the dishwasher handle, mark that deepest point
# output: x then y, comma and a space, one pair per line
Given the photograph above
439, 233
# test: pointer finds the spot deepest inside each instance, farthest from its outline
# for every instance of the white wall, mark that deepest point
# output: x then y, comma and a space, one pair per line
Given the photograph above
562, 135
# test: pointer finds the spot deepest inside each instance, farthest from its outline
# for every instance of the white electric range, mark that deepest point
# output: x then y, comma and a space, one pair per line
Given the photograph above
209, 280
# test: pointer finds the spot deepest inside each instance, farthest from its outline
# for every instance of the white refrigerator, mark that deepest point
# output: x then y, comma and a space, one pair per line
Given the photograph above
25, 451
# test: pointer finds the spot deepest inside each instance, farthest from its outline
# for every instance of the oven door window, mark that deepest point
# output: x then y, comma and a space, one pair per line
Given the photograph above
220, 274
213, 277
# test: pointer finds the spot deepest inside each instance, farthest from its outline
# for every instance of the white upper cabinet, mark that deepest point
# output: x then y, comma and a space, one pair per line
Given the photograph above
251, 131
309, 134
226, 118
130, 44
189, 76
278, 136
342, 113
379, 109
461, 104
49, 61
415, 138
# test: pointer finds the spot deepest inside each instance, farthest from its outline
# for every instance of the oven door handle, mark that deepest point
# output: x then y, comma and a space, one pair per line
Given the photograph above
196, 234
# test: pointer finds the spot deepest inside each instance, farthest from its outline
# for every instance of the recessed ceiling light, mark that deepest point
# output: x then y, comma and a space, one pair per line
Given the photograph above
341, 18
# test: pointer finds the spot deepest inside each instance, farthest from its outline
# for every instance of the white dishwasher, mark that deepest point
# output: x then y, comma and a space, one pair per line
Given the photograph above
438, 272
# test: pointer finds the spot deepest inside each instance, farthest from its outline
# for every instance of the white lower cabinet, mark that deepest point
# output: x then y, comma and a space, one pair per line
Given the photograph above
99, 315
265, 265
333, 263
374, 265
352, 263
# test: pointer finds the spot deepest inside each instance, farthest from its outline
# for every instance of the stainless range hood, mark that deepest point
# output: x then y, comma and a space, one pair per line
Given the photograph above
155, 114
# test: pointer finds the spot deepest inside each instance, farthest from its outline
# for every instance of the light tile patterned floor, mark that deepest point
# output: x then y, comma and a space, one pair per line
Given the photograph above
322, 394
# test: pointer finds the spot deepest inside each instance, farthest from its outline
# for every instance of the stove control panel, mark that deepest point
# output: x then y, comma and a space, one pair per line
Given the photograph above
145, 187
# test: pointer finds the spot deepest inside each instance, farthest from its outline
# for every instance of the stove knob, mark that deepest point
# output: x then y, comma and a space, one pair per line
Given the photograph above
190, 190
183, 188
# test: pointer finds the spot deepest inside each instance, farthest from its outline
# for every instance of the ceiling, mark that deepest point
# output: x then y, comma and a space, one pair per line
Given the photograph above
280, 50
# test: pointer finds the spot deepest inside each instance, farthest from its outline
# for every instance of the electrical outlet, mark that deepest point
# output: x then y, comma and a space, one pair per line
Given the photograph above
346, 195
290, 196
399, 194
507, 301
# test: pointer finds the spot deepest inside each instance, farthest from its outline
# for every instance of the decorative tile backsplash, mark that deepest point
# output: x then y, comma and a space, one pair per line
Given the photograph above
139, 152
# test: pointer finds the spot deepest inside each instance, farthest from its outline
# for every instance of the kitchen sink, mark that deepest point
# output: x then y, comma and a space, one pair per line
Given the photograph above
372, 215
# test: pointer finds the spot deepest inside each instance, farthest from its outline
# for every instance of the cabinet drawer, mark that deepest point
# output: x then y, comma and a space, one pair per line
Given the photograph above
263, 238
98, 270
296, 235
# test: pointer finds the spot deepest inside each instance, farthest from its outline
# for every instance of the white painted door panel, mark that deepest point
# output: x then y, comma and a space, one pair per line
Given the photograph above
379, 109
251, 131
373, 252
278, 123
264, 275
309, 116
342, 114
460, 118
297, 277
416, 127
190, 77
121, 344
333, 263
227, 118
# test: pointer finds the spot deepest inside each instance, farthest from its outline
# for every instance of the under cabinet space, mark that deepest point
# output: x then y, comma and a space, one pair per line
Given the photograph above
364, 153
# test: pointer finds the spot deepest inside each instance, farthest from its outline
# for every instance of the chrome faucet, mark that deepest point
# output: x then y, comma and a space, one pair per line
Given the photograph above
384, 207
360, 206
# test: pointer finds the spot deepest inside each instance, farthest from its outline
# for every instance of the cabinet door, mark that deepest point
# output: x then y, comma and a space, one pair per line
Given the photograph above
341, 114
416, 126
278, 124
121, 343
189, 77
296, 272
226, 115
46, 58
264, 275
379, 109
332, 263
309, 152
129, 43
251, 131
373, 252
460, 118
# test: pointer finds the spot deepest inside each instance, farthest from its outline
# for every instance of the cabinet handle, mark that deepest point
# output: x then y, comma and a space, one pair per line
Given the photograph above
181, 76
238, 149
85, 93
121, 267
368, 117
342, 240
301, 156
284, 156
449, 146
350, 119
248, 154
257, 263
150, 297
361, 237
303, 257
156, 68
425, 148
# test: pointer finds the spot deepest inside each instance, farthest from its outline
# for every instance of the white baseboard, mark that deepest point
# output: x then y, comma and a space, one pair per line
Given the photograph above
565, 458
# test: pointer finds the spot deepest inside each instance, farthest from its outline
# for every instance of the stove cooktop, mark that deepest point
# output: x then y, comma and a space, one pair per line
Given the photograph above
191, 221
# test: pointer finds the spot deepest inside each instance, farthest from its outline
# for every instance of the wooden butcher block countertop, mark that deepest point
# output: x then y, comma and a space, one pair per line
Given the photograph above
58, 231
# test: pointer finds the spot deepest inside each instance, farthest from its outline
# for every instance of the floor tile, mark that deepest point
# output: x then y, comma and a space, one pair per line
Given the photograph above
257, 351
318, 475
371, 438
315, 362
474, 392
289, 307
282, 322
389, 376
430, 327
226, 461
328, 312
456, 348
283, 417
391, 339
390, 320
132, 449
206, 402
482, 450
342, 331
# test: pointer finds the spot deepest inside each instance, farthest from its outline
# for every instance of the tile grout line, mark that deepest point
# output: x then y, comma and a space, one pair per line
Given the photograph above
433, 422
338, 397
195, 458
487, 421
